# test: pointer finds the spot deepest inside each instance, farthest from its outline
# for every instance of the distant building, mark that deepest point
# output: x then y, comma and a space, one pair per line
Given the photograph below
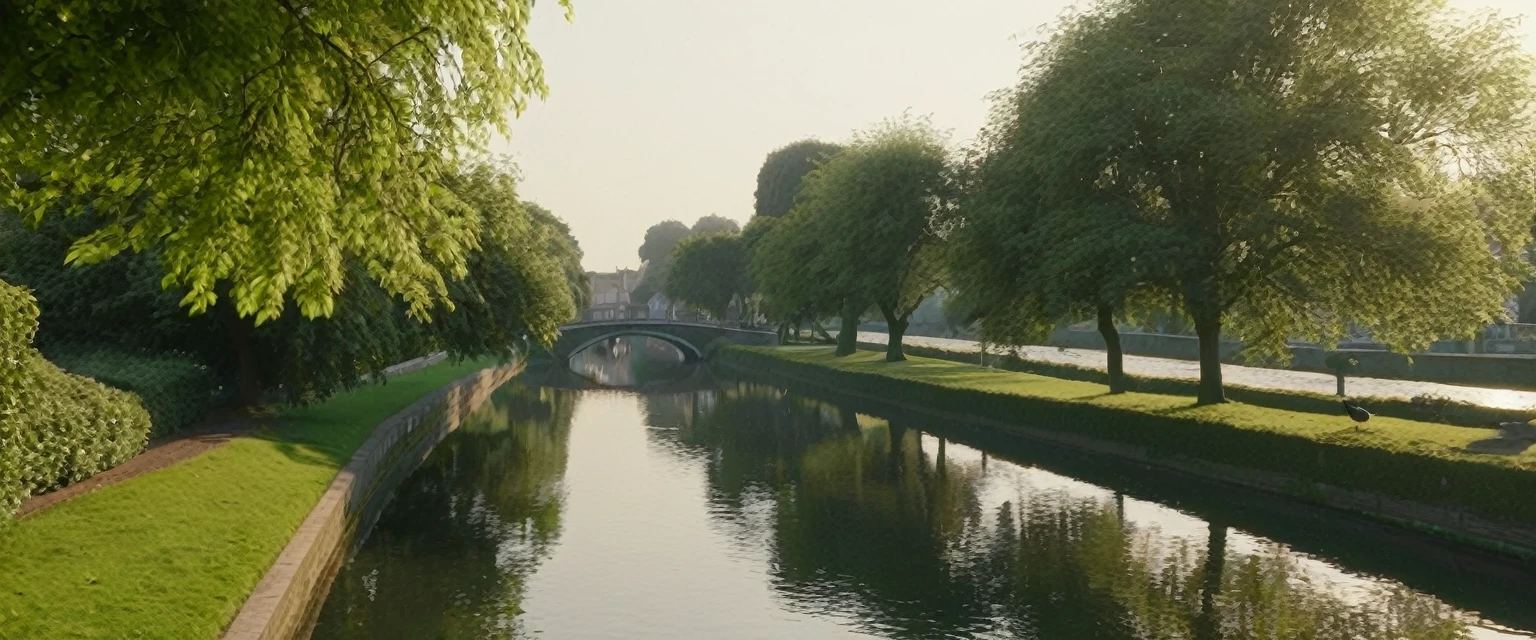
659, 307
611, 296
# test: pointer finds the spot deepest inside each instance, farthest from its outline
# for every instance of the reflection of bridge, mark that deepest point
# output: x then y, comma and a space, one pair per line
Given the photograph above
696, 341
559, 377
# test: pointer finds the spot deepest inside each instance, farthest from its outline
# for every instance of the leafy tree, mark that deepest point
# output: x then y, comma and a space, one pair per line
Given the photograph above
883, 207
661, 239
262, 145
1031, 254
1298, 167
709, 271
796, 285
757, 228
566, 250
779, 180
713, 223
514, 287
659, 242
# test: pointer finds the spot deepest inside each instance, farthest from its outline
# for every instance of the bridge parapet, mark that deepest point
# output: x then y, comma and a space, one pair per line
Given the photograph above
695, 340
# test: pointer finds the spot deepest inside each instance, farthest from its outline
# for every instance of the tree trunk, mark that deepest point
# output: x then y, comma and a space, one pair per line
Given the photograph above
1115, 359
848, 335
817, 331
248, 374
1208, 329
895, 328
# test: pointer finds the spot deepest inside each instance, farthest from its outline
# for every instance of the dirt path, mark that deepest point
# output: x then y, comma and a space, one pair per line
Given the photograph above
159, 454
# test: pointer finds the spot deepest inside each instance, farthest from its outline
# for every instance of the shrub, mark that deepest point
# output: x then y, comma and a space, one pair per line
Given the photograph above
55, 428
177, 390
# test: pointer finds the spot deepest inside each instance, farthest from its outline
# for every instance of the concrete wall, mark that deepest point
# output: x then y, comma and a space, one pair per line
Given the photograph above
1482, 369
288, 598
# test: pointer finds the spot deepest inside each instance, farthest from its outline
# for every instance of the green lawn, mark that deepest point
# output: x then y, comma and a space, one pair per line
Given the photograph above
1433, 439
1428, 463
173, 554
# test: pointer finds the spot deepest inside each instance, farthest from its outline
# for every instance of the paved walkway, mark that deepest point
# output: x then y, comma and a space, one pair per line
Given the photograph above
1247, 376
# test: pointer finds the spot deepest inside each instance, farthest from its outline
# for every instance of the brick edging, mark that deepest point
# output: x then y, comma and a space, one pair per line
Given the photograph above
286, 601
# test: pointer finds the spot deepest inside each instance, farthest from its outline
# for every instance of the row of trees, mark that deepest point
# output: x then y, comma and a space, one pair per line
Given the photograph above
661, 241
1266, 169
522, 282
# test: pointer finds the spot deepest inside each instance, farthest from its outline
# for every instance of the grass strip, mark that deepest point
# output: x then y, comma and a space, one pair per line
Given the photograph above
174, 553
1425, 408
1423, 462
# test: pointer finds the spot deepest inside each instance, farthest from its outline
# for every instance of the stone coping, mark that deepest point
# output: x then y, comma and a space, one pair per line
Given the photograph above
287, 600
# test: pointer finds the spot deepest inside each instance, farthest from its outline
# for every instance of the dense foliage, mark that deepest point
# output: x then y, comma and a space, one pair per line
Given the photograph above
1282, 170
55, 428
177, 390
714, 223
564, 248
882, 208
660, 241
710, 271
795, 285
516, 289
519, 284
783, 172
262, 145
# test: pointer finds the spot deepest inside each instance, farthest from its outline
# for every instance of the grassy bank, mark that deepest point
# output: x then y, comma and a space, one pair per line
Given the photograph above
173, 554
1422, 409
1417, 461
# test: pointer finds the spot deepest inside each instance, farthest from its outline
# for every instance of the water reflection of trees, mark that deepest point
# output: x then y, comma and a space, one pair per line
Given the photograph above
465, 531
864, 524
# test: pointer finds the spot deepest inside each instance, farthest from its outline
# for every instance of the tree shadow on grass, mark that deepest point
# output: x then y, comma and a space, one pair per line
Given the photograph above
301, 450
1500, 446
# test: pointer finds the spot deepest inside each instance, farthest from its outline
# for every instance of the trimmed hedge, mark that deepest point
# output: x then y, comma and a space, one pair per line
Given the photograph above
55, 428
1407, 460
177, 390
1421, 408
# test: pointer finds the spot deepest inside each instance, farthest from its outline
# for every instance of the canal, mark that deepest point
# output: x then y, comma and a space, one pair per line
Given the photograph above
699, 506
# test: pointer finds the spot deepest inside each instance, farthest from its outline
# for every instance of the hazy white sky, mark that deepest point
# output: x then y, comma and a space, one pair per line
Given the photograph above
665, 108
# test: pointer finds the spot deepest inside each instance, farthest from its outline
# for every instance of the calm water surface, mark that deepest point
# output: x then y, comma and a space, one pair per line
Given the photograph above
737, 510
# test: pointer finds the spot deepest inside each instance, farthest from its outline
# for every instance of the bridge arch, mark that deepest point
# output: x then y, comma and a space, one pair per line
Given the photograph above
695, 340
691, 353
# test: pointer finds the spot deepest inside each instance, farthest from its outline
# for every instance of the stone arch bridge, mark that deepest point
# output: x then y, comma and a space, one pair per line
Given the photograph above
696, 341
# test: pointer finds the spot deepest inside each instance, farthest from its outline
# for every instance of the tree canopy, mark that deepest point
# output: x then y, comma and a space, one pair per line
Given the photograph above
714, 223
794, 283
783, 171
514, 286
564, 248
1285, 170
865, 230
883, 207
660, 241
262, 145
709, 271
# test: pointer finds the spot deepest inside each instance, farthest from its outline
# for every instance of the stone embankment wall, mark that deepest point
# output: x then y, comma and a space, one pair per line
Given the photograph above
287, 600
